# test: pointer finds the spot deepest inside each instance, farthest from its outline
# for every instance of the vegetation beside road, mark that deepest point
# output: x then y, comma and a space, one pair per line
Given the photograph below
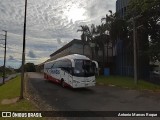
1, 74
126, 82
10, 90
8, 72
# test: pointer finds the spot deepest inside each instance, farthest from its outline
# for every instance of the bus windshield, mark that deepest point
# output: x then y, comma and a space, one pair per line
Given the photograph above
84, 68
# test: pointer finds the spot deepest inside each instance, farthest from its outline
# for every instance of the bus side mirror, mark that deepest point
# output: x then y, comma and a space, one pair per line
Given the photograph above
95, 66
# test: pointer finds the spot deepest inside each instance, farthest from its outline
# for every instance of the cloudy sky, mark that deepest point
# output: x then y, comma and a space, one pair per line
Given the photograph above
50, 25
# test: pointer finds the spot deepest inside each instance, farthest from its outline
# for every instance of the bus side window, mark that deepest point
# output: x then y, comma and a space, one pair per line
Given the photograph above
66, 65
55, 65
52, 66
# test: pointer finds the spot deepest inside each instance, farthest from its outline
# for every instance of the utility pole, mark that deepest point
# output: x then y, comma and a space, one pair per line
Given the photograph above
4, 66
135, 47
4, 69
23, 52
135, 51
133, 20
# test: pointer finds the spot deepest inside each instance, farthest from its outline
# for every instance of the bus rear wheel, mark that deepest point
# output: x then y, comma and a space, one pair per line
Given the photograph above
62, 83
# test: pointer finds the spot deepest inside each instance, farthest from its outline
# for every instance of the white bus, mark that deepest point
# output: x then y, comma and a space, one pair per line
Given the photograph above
74, 70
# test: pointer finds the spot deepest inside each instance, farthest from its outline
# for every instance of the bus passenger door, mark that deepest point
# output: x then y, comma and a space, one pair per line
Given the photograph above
55, 74
67, 76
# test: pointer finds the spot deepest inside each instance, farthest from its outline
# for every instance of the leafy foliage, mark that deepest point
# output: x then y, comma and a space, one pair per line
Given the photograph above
118, 29
98, 34
150, 12
29, 67
85, 32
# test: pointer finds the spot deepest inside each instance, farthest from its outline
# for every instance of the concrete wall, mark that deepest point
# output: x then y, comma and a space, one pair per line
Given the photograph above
74, 49
77, 48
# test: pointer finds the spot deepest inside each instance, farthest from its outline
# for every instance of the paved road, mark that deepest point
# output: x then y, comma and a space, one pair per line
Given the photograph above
98, 98
8, 78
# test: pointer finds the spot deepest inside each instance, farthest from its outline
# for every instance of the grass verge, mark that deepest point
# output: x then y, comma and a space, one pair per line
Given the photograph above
11, 89
127, 82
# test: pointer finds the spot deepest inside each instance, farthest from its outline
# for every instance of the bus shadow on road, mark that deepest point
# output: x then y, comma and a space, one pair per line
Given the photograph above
81, 90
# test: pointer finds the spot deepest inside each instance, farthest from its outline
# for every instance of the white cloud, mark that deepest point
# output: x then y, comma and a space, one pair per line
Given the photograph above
50, 25
31, 54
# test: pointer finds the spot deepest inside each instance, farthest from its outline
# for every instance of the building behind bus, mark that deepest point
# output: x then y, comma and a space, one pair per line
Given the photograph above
76, 47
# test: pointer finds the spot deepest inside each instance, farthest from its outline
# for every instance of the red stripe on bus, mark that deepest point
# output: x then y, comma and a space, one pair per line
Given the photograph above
48, 77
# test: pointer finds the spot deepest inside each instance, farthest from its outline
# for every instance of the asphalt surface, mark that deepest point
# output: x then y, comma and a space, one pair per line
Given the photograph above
97, 98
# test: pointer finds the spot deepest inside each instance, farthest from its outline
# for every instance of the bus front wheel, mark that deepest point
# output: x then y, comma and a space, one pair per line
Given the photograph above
62, 83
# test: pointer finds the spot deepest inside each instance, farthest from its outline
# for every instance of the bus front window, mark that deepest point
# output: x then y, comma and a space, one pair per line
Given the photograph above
83, 68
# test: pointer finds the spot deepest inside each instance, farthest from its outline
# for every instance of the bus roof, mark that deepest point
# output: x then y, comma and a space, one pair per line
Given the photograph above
72, 56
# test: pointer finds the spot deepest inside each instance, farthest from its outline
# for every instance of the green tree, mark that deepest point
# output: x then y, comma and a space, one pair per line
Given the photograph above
30, 67
107, 27
109, 19
91, 34
88, 36
150, 17
84, 36
118, 29
101, 39
146, 15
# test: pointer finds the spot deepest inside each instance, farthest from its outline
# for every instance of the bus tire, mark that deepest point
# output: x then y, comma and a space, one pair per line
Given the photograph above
62, 83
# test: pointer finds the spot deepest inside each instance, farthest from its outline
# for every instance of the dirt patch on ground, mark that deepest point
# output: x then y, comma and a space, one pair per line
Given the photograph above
9, 101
